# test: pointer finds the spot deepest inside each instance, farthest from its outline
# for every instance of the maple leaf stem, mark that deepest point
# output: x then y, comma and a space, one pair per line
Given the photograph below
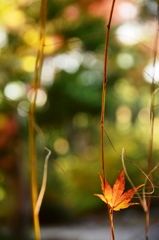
110, 212
147, 224
104, 86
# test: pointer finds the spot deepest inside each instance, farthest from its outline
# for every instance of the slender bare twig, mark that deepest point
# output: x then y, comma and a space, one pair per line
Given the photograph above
147, 178
103, 109
111, 222
149, 160
32, 124
43, 186
104, 87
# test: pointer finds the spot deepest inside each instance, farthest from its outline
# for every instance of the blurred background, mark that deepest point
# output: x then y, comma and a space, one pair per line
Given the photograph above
69, 104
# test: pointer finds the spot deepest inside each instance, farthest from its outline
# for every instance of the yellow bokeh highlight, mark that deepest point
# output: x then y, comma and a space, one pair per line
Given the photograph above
129, 93
71, 162
13, 18
90, 153
31, 36
80, 120
49, 45
123, 118
143, 115
123, 114
25, 2
28, 63
61, 146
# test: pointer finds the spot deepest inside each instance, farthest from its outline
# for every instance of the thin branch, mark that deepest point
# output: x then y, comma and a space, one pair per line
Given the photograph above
32, 122
144, 193
152, 113
43, 186
103, 110
104, 87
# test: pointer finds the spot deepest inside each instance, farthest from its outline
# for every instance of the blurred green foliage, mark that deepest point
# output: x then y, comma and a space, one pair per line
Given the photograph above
68, 112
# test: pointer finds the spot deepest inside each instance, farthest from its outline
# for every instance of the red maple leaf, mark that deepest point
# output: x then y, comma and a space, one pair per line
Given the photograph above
115, 197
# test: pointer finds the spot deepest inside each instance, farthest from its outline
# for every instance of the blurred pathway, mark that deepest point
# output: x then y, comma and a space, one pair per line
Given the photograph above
126, 228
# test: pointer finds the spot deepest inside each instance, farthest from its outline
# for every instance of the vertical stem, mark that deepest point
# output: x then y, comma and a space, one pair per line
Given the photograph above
104, 87
32, 146
147, 224
110, 212
151, 129
33, 166
43, 186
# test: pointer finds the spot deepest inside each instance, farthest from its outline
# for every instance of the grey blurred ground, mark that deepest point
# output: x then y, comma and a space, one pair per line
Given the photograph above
127, 227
